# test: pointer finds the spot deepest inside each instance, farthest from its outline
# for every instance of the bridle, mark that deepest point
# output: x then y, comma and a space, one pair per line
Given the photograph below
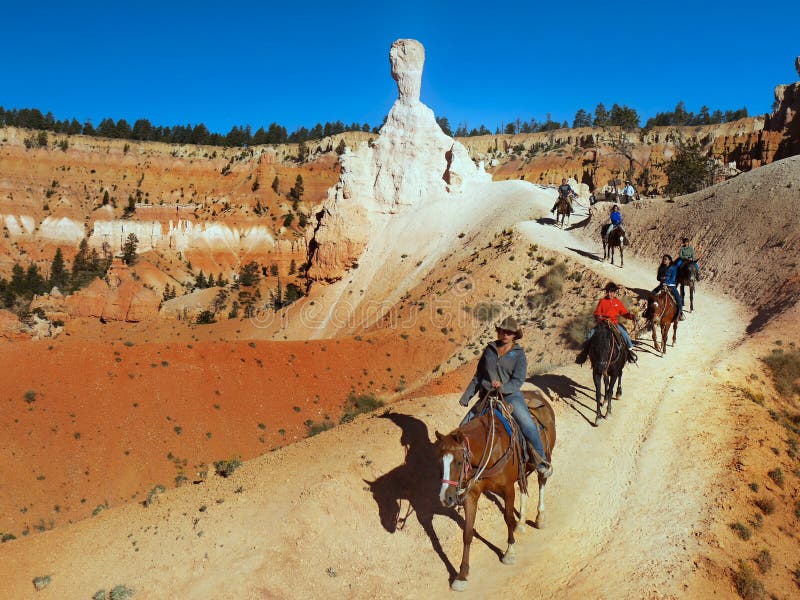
465, 481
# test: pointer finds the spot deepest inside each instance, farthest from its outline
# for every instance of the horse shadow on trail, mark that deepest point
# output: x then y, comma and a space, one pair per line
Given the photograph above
579, 224
417, 480
577, 396
585, 254
546, 221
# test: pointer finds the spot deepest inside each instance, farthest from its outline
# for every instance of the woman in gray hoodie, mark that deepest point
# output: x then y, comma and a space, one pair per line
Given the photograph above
503, 367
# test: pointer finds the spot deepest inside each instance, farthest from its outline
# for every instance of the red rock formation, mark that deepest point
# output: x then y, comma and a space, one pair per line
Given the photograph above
121, 297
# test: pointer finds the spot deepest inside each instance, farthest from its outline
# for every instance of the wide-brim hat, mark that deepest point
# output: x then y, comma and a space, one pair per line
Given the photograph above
510, 324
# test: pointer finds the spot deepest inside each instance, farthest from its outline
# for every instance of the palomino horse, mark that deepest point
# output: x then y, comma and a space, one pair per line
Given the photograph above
563, 211
662, 311
478, 457
608, 355
687, 275
616, 239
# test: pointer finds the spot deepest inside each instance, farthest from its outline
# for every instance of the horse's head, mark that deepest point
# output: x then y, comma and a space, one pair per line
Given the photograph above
452, 457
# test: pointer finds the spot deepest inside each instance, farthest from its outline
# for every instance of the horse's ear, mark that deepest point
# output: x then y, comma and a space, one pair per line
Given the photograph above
439, 437
458, 437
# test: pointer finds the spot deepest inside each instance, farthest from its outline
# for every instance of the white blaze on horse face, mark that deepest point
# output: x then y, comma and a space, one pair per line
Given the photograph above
447, 460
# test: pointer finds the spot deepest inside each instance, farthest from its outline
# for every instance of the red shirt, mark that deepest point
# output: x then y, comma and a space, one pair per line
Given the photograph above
611, 308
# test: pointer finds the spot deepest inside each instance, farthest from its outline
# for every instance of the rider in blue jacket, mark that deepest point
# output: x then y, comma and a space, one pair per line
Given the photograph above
616, 221
667, 274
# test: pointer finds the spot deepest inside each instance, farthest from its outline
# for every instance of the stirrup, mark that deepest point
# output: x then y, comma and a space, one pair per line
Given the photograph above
632, 358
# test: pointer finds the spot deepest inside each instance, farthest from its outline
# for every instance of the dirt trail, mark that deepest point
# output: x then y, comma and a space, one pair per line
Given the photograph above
627, 506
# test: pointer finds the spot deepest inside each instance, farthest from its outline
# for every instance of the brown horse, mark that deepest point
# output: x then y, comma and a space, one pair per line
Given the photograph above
662, 310
616, 239
563, 211
478, 457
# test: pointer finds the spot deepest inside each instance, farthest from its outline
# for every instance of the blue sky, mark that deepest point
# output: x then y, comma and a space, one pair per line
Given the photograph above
298, 63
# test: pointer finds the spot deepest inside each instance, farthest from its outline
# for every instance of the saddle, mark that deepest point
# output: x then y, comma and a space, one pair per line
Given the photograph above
617, 335
520, 447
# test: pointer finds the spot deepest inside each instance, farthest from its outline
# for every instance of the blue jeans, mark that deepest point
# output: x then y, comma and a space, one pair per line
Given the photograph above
522, 416
624, 332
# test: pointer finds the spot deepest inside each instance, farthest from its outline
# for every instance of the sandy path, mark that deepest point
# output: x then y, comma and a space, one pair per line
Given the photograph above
626, 506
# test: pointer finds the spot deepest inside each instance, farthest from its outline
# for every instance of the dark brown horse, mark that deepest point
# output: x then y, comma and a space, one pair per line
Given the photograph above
662, 311
563, 211
478, 457
615, 240
608, 355
687, 275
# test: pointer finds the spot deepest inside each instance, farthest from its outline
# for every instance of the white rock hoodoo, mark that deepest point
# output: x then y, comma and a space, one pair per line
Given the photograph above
412, 162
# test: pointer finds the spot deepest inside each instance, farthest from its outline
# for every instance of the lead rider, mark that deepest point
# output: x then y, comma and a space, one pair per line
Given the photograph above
502, 368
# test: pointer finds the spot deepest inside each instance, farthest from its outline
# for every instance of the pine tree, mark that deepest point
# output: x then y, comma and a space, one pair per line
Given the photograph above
600, 116
292, 267
275, 185
58, 272
200, 281
341, 147
129, 249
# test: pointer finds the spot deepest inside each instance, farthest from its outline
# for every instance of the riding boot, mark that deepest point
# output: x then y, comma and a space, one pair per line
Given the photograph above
632, 358
545, 469
681, 317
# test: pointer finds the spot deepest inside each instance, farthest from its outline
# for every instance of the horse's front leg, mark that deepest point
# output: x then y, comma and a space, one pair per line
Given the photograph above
691, 296
674, 331
619, 385
540, 516
510, 557
664, 338
523, 512
597, 391
470, 505
612, 380
621, 256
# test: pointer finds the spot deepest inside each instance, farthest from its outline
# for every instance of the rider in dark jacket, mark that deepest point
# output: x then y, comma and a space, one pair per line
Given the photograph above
667, 274
565, 192
503, 367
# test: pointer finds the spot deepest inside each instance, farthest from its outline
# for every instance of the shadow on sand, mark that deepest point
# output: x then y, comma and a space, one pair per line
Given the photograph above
417, 481
586, 254
578, 397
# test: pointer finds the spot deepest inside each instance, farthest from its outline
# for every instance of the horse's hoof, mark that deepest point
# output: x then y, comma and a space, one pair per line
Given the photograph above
541, 522
509, 559
458, 585
608, 413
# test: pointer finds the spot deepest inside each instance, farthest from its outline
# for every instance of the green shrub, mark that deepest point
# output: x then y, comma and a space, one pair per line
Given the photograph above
777, 476
30, 396
577, 328
767, 505
41, 582
742, 530
764, 561
359, 404
120, 592
225, 468
785, 368
151, 496
206, 318
487, 311
316, 428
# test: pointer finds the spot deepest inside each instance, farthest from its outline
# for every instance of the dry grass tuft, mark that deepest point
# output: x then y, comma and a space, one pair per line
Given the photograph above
747, 585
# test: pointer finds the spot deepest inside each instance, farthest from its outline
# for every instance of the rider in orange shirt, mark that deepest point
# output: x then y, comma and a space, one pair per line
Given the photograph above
610, 308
